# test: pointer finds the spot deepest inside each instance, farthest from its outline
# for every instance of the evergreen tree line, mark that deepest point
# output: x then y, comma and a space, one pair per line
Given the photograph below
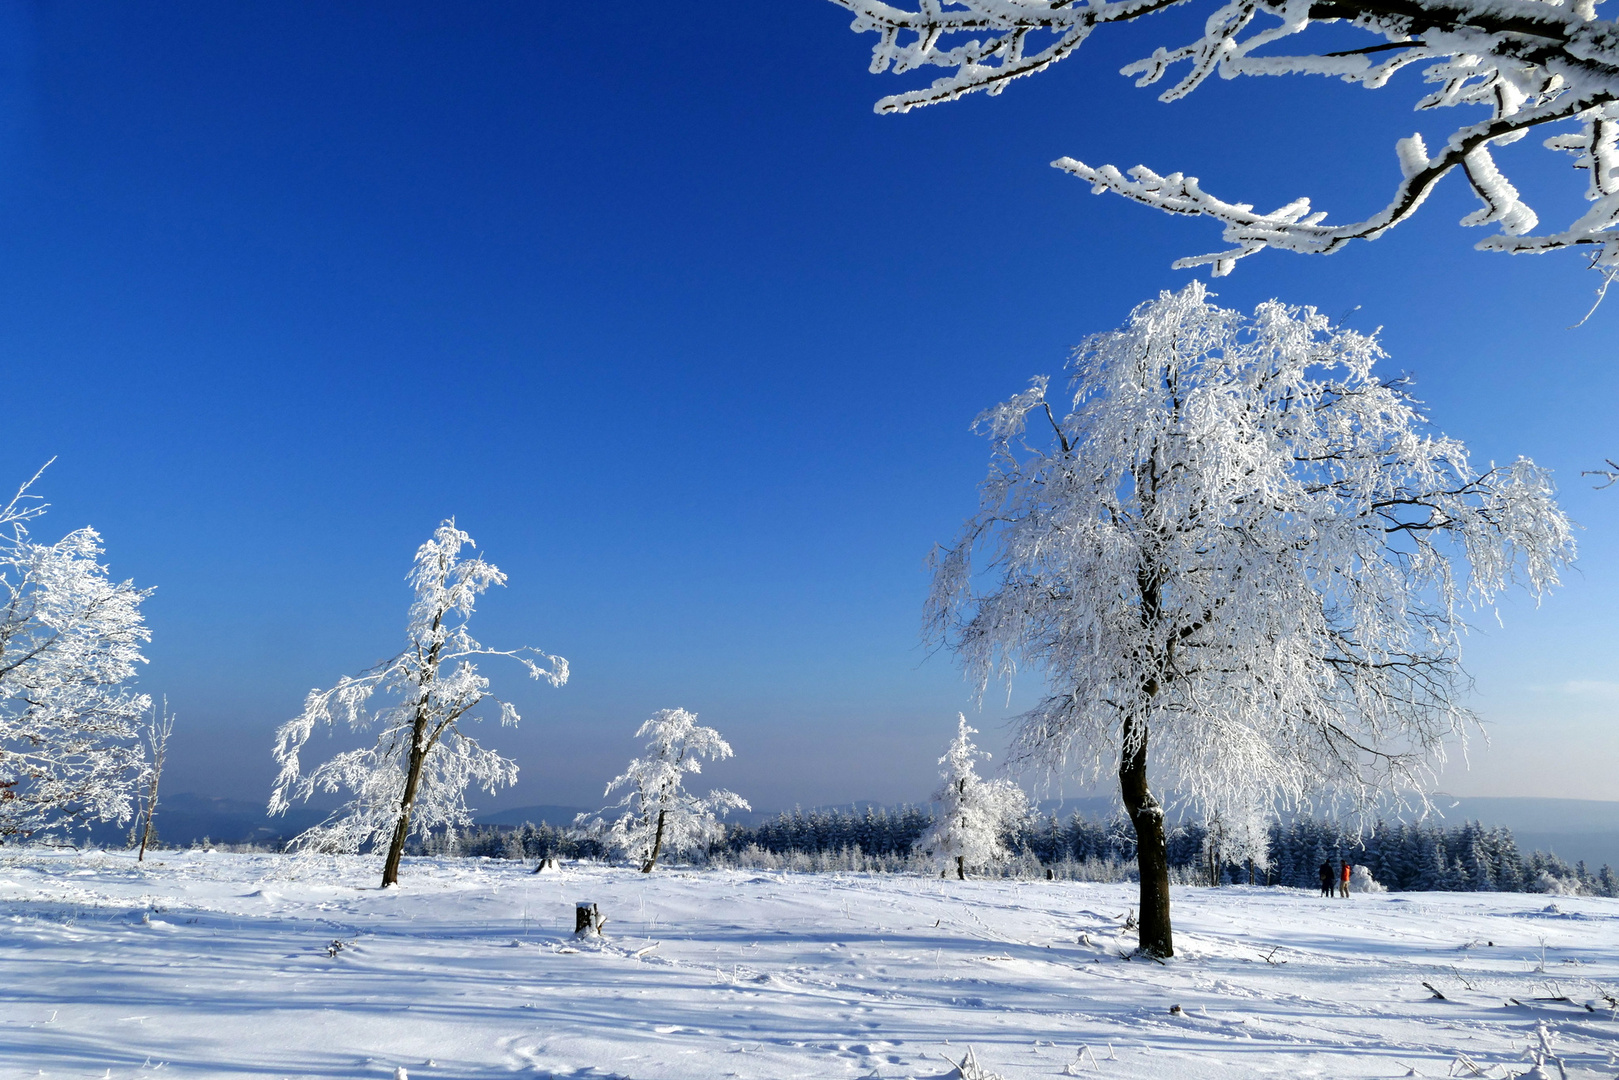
1401, 857
1466, 857
872, 831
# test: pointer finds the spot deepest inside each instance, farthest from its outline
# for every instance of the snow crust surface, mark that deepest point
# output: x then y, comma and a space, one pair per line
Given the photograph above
218, 965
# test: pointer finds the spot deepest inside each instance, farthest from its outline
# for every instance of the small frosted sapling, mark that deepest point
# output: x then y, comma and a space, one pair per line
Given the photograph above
974, 814
659, 814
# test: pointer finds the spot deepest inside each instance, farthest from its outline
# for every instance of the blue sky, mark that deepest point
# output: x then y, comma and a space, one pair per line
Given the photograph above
689, 339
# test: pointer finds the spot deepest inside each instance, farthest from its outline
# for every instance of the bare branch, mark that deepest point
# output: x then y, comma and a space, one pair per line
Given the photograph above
1610, 475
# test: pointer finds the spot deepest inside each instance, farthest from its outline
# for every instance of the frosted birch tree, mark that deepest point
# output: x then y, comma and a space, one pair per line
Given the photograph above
70, 641
1239, 556
414, 778
974, 814
1530, 66
156, 731
659, 813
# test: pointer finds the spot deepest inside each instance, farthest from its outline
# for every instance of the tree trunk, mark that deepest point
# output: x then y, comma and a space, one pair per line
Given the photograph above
413, 776
657, 844
961, 867
1152, 854
1146, 815
418, 756
148, 831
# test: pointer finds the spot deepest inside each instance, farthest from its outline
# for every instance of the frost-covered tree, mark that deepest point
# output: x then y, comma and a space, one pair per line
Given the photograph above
974, 814
1531, 65
1240, 556
1248, 840
659, 813
70, 640
414, 779
1238, 835
156, 731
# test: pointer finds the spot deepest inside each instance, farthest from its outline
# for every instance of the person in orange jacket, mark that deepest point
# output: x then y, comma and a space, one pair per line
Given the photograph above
1343, 882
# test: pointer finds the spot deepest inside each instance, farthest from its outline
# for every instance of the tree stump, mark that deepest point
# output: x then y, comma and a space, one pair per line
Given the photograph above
587, 919
545, 864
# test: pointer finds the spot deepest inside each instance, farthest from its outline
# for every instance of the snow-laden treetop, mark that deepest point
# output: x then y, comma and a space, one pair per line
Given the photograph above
1527, 63
1238, 538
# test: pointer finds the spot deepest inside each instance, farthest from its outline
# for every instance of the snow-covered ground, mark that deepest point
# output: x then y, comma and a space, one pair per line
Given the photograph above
211, 965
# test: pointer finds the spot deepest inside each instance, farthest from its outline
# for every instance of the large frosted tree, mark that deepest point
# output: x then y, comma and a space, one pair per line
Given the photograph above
1237, 557
414, 778
1544, 67
70, 643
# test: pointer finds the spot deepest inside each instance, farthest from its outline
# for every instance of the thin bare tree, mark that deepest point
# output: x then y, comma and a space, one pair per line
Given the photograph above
159, 726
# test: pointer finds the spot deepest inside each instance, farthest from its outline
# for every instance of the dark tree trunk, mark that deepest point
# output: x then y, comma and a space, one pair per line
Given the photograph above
1146, 815
657, 844
961, 867
1152, 853
413, 776
148, 828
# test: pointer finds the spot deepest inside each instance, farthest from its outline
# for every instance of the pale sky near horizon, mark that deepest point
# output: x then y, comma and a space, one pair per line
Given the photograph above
689, 340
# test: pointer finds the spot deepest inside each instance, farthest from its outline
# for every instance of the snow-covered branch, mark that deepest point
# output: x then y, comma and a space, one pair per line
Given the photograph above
1610, 475
1530, 64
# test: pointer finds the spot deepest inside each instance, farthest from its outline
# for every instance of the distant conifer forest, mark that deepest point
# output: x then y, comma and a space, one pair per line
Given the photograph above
1401, 856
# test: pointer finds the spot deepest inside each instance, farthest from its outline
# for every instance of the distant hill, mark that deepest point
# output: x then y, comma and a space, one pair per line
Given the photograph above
186, 818
532, 815
1551, 816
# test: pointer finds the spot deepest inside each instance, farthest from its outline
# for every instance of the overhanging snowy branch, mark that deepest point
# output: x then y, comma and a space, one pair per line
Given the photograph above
1531, 63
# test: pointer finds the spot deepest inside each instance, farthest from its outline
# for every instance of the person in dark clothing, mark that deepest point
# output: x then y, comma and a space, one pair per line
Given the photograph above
1327, 877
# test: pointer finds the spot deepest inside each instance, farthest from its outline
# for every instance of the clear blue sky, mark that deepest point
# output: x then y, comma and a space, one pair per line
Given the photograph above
688, 338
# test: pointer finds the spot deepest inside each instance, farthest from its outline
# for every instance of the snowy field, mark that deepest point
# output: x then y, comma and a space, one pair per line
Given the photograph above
212, 965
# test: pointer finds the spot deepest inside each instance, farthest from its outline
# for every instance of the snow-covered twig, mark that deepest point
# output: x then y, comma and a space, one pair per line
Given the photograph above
1540, 1054
1610, 475
1531, 64
1073, 1067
